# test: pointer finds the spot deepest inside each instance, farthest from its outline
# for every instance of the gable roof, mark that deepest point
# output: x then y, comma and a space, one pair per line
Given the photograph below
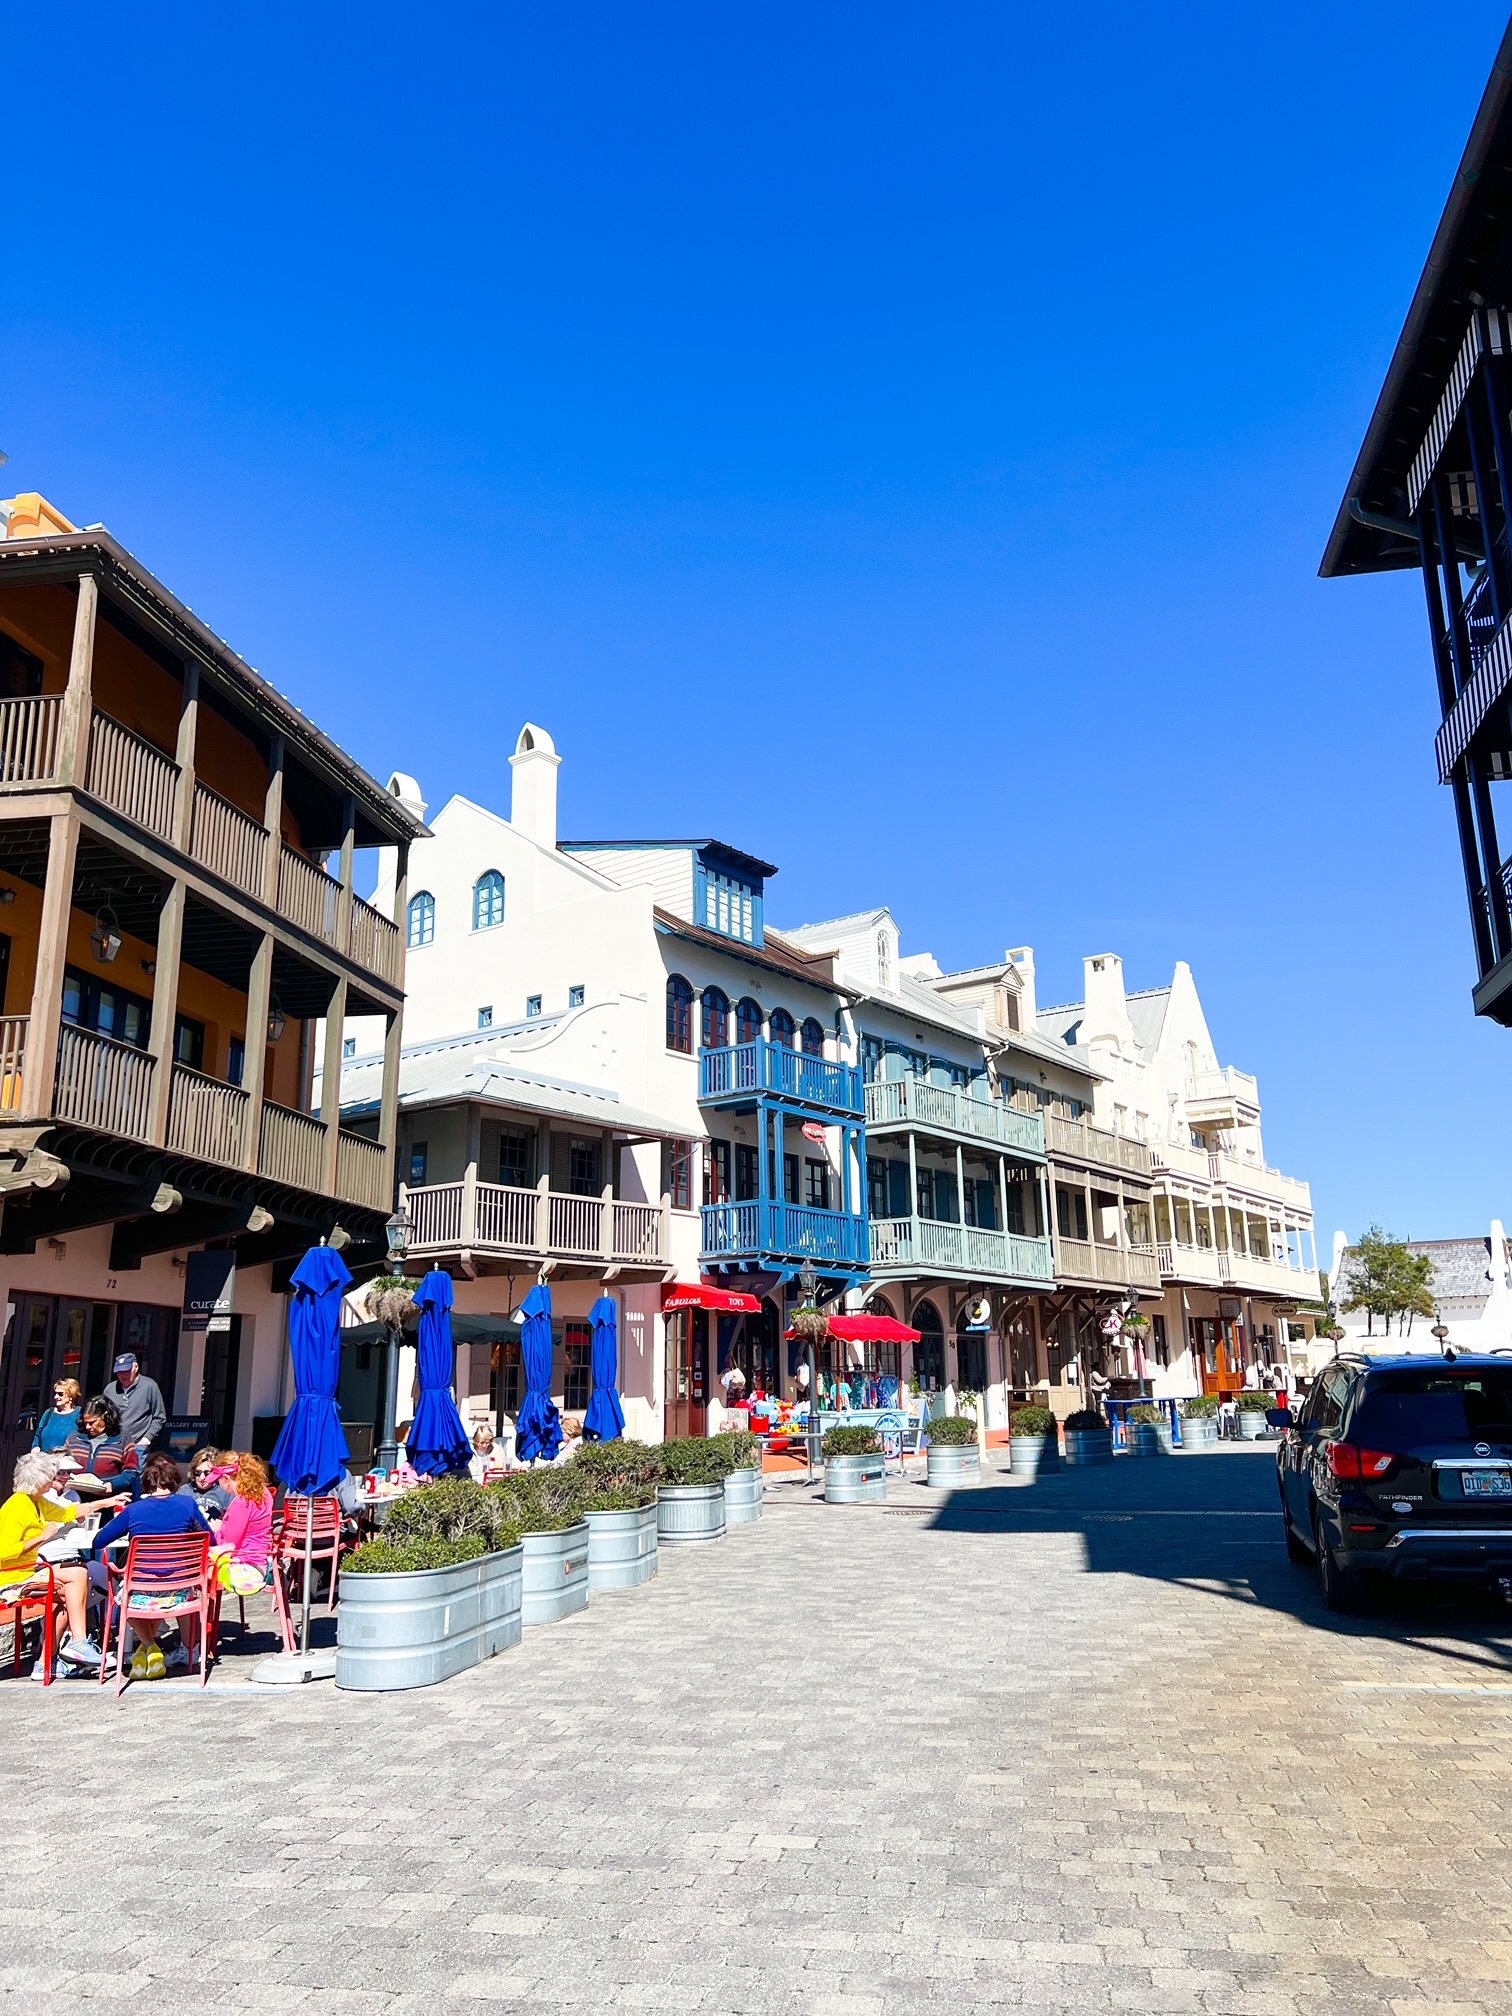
815, 969
1461, 1267
752, 864
1147, 1013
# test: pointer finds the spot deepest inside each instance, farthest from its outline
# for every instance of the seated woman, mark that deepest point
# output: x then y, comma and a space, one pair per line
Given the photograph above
29, 1518
99, 1450
487, 1459
207, 1483
244, 1537
161, 1511
572, 1437
61, 1419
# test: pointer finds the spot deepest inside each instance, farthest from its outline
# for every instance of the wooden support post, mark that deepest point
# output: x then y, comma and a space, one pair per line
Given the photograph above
273, 821
543, 1214
78, 696
388, 1108
165, 982
39, 1070
606, 1222
255, 1066
188, 731
330, 1083
344, 901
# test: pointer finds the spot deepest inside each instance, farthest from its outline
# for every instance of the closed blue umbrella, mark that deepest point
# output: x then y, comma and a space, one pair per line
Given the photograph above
538, 1426
438, 1444
311, 1450
605, 1419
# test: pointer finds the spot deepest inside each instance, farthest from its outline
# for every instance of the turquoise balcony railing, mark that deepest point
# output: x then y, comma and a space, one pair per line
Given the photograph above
756, 1231
945, 1109
746, 1071
976, 1251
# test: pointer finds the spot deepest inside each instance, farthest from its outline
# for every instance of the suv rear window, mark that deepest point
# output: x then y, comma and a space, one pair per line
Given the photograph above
1399, 1409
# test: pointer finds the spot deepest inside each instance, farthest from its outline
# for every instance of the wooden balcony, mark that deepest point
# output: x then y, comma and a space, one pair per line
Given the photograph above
362, 1172
13, 1030
207, 1118
1114, 1266
581, 1235
29, 740
132, 776
103, 1084
969, 1252
741, 1073
228, 843
1086, 1143
1189, 1263
913, 1103
292, 1149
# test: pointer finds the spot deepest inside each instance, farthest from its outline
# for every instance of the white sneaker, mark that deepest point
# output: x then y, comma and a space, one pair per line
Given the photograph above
59, 1672
178, 1660
80, 1652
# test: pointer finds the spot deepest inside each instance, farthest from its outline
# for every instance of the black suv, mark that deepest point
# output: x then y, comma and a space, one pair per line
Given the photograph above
1401, 1467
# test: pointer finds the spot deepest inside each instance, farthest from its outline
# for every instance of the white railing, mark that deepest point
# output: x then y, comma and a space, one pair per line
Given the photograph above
103, 1084
207, 1118
308, 897
1260, 1180
227, 841
1096, 1144
974, 1250
1188, 1263
1223, 1087
376, 945
541, 1223
129, 774
362, 1171
29, 739
292, 1149
949, 1110
13, 1030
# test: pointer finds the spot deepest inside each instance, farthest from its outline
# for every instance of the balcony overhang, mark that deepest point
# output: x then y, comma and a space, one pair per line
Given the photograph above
1493, 997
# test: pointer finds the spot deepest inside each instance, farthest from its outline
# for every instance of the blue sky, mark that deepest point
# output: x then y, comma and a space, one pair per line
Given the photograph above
900, 445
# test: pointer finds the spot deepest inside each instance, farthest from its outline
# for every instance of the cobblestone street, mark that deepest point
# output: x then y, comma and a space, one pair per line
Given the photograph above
1088, 1745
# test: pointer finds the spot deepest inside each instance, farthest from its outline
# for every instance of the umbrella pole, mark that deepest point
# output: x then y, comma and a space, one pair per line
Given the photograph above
304, 1625
813, 1420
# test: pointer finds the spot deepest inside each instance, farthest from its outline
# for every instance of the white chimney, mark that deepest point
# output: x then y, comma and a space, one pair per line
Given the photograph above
1021, 958
533, 796
1105, 1019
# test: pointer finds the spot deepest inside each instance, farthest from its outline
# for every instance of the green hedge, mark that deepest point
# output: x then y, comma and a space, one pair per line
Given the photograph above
1256, 1403
851, 1442
614, 1476
1031, 1421
743, 1447
952, 1430
544, 1500
1149, 1417
407, 1557
697, 1459
1085, 1421
1202, 1407
452, 1510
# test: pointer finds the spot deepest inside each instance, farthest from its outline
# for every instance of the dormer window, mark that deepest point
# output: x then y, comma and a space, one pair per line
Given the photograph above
727, 902
884, 959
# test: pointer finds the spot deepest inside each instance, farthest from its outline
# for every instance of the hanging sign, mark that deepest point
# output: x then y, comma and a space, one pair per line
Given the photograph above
209, 1289
1112, 1325
812, 1131
979, 1313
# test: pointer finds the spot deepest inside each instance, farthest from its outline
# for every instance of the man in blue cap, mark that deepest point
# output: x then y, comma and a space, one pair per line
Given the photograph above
138, 1400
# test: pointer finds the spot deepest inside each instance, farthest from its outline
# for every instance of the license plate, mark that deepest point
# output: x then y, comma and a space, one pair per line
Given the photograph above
1486, 1483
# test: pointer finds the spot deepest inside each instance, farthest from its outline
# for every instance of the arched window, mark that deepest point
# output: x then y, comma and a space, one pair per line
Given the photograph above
813, 1038
488, 900
422, 918
884, 960
929, 1352
747, 1020
679, 1015
716, 1019
782, 1028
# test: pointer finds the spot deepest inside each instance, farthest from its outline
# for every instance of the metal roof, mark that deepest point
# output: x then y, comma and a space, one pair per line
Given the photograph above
751, 863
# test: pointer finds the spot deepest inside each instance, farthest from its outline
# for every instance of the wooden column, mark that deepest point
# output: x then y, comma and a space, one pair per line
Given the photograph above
273, 821
469, 1171
388, 1109
78, 695
330, 1082
40, 1067
183, 820
165, 982
255, 1068
348, 843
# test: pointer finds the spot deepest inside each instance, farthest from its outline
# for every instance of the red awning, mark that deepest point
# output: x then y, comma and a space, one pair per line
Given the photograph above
699, 1295
870, 1330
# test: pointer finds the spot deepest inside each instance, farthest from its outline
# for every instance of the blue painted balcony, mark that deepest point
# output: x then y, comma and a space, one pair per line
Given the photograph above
786, 1233
745, 1072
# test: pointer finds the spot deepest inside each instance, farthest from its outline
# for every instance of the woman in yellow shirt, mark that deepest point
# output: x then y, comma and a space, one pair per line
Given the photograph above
28, 1520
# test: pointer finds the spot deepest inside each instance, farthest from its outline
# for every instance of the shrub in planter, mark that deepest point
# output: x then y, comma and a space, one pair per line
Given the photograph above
696, 1459
1085, 1421
408, 1557
1257, 1402
742, 1447
453, 1509
1149, 1417
1201, 1407
620, 1470
540, 1501
852, 1442
1031, 1421
953, 1430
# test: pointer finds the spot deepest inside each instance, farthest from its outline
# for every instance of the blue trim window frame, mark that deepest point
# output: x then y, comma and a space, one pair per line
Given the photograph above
488, 900
422, 919
532, 1006
728, 904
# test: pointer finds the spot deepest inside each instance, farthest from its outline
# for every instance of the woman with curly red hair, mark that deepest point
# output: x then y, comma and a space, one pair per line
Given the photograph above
244, 1536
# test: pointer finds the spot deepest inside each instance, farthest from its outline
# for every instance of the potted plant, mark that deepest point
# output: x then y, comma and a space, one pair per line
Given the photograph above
854, 1471
1253, 1408
1199, 1422
390, 1300
743, 1482
1089, 1439
952, 1458
440, 1591
690, 1501
619, 1481
546, 1505
1033, 1445
1149, 1431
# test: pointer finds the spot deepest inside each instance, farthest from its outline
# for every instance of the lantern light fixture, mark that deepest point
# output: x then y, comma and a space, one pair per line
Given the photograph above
105, 939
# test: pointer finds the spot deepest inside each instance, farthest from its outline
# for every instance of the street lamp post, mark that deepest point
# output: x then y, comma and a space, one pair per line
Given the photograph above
808, 1287
397, 1231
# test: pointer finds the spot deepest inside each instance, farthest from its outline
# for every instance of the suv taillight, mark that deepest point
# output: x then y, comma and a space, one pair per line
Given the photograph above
1349, 1461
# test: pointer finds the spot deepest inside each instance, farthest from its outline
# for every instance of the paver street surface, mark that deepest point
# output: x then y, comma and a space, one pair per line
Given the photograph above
1087, 1744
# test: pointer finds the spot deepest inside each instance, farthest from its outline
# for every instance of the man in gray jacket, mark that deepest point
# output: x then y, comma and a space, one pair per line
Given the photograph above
138, 1400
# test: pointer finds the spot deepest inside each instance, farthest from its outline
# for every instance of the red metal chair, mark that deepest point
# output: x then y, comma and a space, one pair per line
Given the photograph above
16, 1607
159, 1566
325, 1543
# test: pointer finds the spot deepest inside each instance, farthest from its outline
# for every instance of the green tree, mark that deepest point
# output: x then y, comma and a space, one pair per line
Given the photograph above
1385, 1278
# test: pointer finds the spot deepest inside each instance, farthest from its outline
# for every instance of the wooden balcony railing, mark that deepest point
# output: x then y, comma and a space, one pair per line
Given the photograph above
127, 773
1096, 1144
29, 739
292, 1149
1188, 1263
12, 1061
103, 1084
308, 897
537, 1224
376, 945
227, 842
1091, 1260
362, 1171
207, 1118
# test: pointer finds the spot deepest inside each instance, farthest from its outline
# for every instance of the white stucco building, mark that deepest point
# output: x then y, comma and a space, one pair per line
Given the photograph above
1471, 1286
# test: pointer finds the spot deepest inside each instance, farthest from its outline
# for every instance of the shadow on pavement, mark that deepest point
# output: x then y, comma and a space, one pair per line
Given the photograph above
1212, 1523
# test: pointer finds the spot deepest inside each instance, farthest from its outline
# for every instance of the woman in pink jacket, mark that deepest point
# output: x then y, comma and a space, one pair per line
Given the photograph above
244, 1537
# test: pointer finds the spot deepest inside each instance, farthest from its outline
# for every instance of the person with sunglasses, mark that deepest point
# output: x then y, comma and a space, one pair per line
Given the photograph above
208, 1482
61, 1419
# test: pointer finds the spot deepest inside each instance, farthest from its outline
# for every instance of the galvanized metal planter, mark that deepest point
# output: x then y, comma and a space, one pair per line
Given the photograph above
949, 1464
555, 1574
1253, 1426
855, 1480
742, 1496
621, 1548
686, 1513
396, 1631
1033, 1455
1199, 1431
1086, 1446
1148, 1438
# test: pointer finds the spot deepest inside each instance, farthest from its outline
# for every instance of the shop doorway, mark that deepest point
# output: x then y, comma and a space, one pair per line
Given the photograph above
929, 1352
222, 1369
47, 1337
1218, 1348
686, 1407
971, 1359
753, 1343
1019, 1352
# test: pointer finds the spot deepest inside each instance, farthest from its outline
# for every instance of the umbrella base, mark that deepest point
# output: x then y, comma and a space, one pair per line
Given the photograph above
294, 1669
